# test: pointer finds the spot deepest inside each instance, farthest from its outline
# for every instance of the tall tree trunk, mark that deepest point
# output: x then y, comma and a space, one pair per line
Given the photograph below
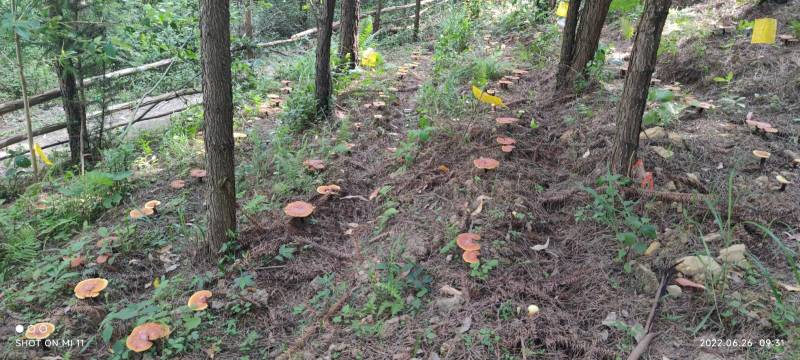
348, 47
567, 46
218, 122
592, 17
21, 68
247, 26
376, 21
416, 20
637, 83
322, 90
67, 83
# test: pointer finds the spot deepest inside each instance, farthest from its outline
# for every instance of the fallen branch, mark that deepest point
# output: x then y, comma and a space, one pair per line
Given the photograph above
311, 329
641, 347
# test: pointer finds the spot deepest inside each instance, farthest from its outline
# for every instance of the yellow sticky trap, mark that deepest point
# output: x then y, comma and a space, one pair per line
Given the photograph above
486, 98
562, 9
370, 58
41, 155
764, 31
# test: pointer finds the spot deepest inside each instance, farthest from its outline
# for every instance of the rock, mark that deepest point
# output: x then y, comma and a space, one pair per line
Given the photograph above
646, 278
653, 133
664, 153
762, 181
674, 290
698, 267
733, 255
567, 136
449, 304
675, 139
670, 186
654, 246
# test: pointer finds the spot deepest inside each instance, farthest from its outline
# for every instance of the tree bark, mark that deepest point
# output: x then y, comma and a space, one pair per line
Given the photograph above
218, 122
247, 27
322, 81
21, 68
67, 83
592, 17
376, 19
637, 83
567, 47
416, 20
348, 44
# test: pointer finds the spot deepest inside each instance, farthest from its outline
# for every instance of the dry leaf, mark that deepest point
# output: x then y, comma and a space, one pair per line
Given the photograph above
478, 209
788, 287
684, 282
465, 325
541, 247
374, 193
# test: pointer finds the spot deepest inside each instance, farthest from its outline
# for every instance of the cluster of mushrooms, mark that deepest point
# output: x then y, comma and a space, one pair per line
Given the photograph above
141, 337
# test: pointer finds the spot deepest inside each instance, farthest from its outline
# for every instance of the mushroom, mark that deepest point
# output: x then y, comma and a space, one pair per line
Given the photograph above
502, 140
39, 331
485, 163
136, 214
152, 204
471, 257
379, 105
90, 288
519, 72
147, 211
177, 184
77, 261
507, 148
107, 241
505, 84
286, 82
533, 310
328, 189
198, 174
199, 300
506, 120
762, 156
467, 241
142, 336
314, 164
298, 209
102, 258
286, 90
783, 181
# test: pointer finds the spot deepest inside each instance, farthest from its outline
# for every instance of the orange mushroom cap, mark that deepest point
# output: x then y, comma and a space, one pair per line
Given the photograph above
106, 241
147, 211
503, 140
39, 331
467, 241
136, 214
198, 173
177, 184
77, 261
328, 189
298, 209
471, 257
506, 120
102, 258
314, 164
761, 154
152, 204
486, 163
90, 287
142, 336
199, 300
507, 148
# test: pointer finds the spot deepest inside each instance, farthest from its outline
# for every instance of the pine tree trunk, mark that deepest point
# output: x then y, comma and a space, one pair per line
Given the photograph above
348, 48
592, 17
247, 26
218, 122
416, 20
376, 21
567, 47
637, 83
67, 83
322, 90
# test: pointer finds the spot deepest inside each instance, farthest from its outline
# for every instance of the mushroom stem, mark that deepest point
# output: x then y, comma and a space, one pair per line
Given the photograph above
783, 187
762, 162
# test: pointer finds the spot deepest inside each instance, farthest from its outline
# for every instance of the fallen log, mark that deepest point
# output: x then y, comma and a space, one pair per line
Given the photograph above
55, 93
116, 108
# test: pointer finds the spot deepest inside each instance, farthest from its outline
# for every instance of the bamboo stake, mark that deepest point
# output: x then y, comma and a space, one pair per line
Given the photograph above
21, 69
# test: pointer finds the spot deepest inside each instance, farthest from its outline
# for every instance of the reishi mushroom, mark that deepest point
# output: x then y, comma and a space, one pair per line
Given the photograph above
136, 214
470, 257
783, 181
298, 209
152, 204
467, 241
507, 148
328, 189
39, 331
506, 120
198, 174
90, 288
762, 156
485, 163
503, 140
314, 164
177, 184
199, 300
142, 336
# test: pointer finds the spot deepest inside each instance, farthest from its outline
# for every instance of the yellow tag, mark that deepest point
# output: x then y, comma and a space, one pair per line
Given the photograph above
562, 9
486, 98
370, 58
41, 155
764, 31
156, 283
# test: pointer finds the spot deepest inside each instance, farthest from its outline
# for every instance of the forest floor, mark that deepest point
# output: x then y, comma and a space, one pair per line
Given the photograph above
375, 272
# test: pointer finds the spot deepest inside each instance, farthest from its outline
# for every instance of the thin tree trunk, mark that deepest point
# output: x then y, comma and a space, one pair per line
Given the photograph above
592, 17
637, 83
567, 47
247, 27
376, 20
218, 122
322, 82
24, 84
416, 20
348, 47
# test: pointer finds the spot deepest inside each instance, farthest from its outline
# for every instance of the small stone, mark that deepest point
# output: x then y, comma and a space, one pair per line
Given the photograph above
654, 246
567, 136
733, 254
762, 181
675, 139
653, 133
698, 267
646, 278
674, 290
664, 153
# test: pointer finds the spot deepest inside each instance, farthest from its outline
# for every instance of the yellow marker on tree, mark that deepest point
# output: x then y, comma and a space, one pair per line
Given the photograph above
562, 9
486, 98
41, 155
764, 31
370, 58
